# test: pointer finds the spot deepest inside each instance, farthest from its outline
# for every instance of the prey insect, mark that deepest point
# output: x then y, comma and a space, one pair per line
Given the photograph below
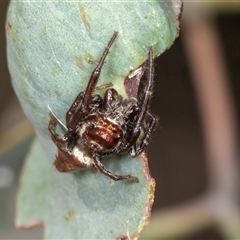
98, 126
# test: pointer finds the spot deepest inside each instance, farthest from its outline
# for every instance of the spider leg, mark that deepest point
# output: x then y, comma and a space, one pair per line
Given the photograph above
70, 115
77, 104
82, 106
111, 98
60, 142
96, 72
99, 166
143, 104
149, 129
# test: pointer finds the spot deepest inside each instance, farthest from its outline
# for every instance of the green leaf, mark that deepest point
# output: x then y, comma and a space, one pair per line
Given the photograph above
83, 205
52, 47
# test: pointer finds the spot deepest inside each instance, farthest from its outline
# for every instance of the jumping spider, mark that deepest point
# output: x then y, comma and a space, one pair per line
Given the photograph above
98, 126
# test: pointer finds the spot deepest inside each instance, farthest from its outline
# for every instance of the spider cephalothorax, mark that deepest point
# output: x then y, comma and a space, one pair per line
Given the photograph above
98, 126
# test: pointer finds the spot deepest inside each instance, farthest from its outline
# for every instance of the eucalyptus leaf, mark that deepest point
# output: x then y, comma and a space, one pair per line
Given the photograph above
52, 48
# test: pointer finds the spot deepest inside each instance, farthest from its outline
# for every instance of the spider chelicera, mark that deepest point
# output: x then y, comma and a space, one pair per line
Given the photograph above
98, 126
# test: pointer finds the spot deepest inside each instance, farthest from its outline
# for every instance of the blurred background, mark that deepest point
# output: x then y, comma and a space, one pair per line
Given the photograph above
194, 153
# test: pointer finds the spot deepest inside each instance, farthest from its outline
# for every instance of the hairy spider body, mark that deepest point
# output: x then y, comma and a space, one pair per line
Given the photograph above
98, 126
101, 134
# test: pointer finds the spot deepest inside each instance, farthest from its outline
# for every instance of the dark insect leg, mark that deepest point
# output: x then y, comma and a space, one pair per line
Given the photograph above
83, 109
131, 112
148, 129
111, 97
96, 72
147, 94
143, 103
77, 104
70, 115
96, 103
99, 166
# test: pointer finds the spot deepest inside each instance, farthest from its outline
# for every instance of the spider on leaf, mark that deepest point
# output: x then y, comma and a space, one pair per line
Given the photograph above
98, 126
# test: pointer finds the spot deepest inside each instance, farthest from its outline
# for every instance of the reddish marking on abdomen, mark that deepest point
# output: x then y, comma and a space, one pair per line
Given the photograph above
102, 137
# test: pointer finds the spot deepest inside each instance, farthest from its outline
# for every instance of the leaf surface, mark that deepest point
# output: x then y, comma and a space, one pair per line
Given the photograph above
52, 47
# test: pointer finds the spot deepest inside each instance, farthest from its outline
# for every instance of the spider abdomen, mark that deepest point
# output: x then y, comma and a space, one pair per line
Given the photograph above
101, 138
101, 134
